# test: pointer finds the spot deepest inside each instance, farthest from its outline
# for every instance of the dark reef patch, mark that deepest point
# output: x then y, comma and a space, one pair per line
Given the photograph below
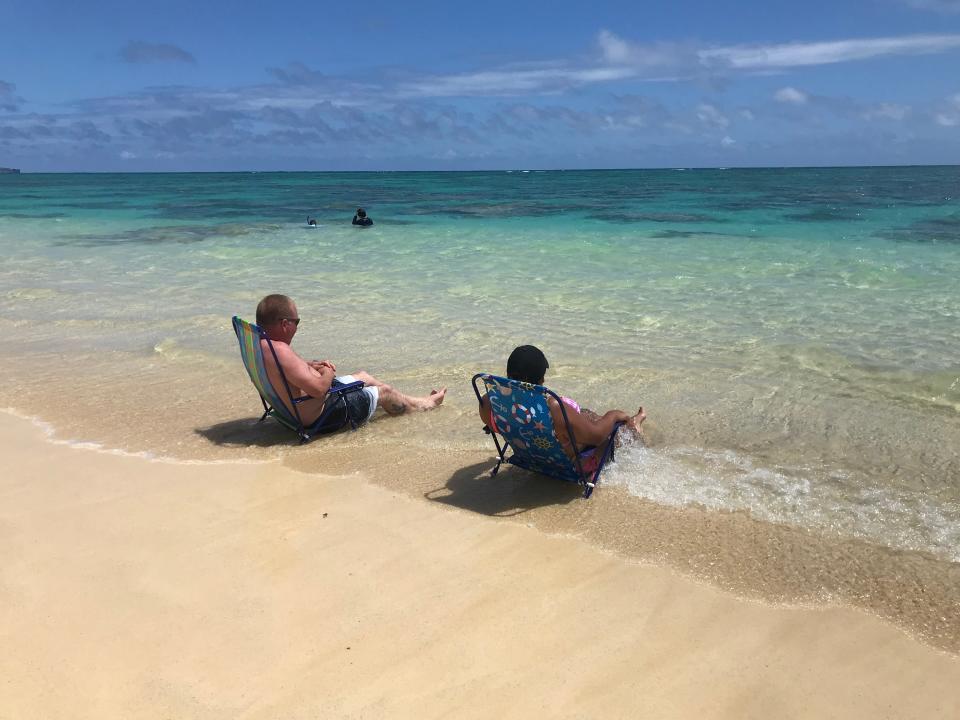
655, 217
930, 230
160, 235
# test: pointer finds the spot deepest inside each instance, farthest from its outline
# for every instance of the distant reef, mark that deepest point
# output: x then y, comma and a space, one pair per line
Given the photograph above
9, 171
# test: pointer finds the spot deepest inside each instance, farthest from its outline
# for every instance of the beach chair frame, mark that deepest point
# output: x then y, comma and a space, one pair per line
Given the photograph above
249, 336
521, 458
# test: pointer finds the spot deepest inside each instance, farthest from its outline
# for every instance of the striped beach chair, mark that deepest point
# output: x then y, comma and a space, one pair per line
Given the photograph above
249, 336
523, 419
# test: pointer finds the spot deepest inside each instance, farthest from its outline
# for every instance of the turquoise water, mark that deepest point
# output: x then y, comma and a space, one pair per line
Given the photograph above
793, 334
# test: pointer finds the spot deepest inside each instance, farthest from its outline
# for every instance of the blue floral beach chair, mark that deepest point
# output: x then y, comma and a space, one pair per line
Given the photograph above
249, 336
523, 419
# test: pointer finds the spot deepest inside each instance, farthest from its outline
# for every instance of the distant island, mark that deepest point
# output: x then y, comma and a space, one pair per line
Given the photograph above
9, 171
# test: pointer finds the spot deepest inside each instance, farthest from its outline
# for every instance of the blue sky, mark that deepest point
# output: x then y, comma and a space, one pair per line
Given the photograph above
179, 85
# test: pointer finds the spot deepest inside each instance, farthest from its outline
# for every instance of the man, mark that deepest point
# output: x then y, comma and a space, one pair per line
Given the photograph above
360, 218
277, 315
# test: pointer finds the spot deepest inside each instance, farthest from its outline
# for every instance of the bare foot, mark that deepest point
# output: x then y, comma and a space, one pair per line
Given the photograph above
428, 403
436, 397
637, 420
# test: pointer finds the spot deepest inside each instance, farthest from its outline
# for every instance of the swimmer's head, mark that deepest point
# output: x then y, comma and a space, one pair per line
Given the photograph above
361, 212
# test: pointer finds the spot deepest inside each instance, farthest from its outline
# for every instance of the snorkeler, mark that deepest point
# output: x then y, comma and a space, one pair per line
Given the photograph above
361, 218
311, 222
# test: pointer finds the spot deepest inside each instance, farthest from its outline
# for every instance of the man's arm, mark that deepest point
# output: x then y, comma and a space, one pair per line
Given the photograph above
315, 381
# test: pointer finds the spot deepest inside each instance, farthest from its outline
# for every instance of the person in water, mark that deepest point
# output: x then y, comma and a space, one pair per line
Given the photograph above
278, 317
528, 364
361, 218
311, 221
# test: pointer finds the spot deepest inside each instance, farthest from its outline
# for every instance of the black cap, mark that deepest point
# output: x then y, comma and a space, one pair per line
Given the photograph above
527, 364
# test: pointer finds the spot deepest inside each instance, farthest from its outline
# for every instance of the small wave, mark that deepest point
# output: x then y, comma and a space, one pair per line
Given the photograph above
817, 498
173, 351
35, 293
50, 434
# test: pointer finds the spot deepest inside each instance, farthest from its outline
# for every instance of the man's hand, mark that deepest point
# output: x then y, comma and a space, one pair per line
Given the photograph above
318, 365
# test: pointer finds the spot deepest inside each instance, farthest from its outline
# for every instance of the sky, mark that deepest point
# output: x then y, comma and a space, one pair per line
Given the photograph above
291, 85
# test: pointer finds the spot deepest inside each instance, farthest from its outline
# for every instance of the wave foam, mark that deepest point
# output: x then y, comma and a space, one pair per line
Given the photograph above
50, 434
817, 498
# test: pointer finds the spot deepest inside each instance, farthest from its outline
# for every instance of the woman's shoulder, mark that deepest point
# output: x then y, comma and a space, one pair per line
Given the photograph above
570, 403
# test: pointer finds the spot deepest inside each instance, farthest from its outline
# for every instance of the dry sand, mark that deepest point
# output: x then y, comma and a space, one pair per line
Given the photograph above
132, 588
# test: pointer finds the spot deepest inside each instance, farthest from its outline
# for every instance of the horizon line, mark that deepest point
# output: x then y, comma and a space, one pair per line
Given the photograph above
479, 170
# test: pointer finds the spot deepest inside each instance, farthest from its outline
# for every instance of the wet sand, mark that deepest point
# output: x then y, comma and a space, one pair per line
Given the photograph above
169, 409
145, 589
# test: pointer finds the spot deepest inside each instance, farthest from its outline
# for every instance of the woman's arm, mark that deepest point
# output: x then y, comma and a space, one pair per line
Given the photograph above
590, 430
485, 410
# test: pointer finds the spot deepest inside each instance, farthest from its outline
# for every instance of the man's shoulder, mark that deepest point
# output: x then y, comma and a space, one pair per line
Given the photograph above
283, 350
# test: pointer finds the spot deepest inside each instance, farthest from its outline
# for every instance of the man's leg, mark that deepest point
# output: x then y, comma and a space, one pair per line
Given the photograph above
395, 402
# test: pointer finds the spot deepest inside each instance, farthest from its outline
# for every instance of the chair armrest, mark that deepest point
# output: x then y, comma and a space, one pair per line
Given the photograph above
338, 390
346, 387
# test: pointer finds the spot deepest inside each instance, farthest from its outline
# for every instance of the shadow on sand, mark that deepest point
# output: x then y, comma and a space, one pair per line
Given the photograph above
511, 492
246, 432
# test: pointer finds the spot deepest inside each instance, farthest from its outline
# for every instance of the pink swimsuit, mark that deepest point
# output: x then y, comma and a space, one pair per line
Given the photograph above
571, 403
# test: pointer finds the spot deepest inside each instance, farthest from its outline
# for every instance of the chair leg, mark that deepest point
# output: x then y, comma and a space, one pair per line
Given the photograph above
496, 468
264, 416
608, 456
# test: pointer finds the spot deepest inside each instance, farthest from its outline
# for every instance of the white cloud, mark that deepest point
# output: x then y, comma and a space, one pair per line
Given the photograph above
949, 117
886, 111
728, 141
709, 115
747, 114
791, 95
621, 59
615, 50
801, 54
510, 82
648, 57
127, 155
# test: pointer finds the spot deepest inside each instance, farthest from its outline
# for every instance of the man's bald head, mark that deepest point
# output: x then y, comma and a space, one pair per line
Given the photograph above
274, 308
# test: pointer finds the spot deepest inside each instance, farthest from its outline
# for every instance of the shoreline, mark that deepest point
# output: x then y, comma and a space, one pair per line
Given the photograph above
749, 557
138, 588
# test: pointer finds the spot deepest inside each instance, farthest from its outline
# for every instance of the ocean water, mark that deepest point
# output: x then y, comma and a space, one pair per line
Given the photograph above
793, 334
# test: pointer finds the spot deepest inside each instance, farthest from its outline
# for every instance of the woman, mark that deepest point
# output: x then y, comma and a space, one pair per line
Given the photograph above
528, 364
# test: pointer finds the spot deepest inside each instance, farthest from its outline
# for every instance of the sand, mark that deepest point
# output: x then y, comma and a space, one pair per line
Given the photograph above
132, 588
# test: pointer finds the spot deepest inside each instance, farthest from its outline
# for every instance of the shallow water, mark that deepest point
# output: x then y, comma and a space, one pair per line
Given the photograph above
791, 333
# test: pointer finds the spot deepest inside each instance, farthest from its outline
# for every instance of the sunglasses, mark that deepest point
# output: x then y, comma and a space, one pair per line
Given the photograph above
295, 321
